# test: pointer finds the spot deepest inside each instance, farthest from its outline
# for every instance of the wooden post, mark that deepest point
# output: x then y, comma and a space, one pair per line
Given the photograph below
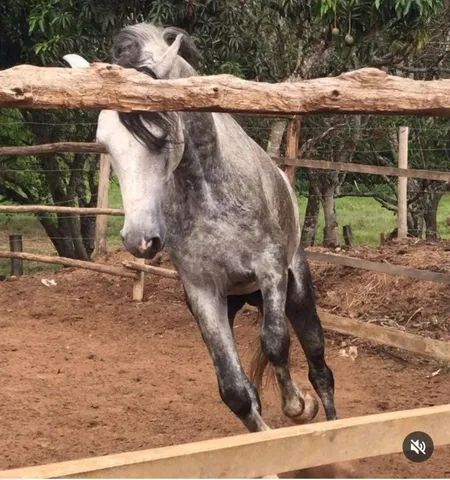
15, 245
402, 191
348, 235
138, 284
292, 141
101, 225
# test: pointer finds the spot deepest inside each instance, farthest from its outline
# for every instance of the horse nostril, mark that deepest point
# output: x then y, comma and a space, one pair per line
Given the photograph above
153, 244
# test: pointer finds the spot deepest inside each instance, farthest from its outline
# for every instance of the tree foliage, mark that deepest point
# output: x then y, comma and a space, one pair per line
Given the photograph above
267, 40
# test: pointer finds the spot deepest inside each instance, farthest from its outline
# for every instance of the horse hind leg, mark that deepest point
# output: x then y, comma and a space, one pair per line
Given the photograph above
275, 343
302, 314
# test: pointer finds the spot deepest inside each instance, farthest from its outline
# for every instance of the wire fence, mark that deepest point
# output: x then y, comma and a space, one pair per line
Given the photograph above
368, 209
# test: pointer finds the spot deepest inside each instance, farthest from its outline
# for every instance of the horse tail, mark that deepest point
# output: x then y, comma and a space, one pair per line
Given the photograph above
258, 366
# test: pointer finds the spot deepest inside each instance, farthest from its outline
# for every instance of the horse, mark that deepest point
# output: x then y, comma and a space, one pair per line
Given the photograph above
197, 185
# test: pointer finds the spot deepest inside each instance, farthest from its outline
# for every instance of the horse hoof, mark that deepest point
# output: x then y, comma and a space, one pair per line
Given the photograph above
310, 411
294, 407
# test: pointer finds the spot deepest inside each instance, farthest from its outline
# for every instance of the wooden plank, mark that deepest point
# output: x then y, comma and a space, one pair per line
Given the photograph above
70, 262
372, 169
408, 272
111, 87
387, 336
402, 186
101, 222
55, 209
292, 141
59, 147
262, 453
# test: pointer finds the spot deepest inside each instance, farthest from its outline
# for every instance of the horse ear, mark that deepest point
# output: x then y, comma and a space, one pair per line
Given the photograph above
75, 61
188, 50
164, 64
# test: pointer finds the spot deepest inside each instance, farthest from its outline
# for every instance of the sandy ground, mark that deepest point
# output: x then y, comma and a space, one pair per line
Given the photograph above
85, 371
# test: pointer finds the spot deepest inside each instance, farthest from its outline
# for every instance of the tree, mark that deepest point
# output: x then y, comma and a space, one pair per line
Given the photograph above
257, 39
41, 32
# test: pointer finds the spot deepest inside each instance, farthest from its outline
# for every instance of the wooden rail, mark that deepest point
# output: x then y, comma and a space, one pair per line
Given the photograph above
387, 336
361, 168
59, 147
162, 272
259, 454
93, 147
111, 87
389, 268
125, 271
70, 262
57, 209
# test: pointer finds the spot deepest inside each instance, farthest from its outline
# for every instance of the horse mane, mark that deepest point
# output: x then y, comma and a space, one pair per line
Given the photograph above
127, 51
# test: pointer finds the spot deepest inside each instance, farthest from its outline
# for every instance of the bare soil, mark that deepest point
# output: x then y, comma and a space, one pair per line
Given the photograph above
85, 371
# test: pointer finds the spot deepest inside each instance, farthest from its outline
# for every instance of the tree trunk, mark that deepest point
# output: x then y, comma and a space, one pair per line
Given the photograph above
330, 231
309, 229
61, 243
430, 216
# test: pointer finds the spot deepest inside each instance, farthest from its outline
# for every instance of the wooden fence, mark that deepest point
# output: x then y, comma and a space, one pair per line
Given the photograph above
367, 90
260, 454
112, 87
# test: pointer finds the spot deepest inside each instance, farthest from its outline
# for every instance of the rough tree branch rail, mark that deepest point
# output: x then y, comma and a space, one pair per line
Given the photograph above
104, 86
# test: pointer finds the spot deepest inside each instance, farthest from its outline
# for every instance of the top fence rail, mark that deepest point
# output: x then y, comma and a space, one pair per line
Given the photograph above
104, 86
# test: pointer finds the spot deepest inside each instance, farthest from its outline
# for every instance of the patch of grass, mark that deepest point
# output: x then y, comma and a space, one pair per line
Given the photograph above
368, 219
114, 223
442, 215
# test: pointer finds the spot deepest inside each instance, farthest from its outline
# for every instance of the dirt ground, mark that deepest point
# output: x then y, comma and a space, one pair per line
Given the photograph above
85, 371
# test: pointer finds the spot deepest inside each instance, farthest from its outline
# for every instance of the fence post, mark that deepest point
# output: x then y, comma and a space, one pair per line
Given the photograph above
402, 190
138, 284
101, 224
348, 235
15, 245
292, 141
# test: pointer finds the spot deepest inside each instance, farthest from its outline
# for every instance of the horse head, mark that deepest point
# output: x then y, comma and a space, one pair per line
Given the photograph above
146, 147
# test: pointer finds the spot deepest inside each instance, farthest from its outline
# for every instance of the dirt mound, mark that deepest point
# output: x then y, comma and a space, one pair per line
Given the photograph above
417, 306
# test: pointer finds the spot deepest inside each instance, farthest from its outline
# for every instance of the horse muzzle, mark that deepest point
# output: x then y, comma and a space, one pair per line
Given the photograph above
143, 246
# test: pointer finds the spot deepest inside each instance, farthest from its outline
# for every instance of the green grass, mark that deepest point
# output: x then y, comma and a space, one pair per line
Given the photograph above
115, 223
365, 215
368, 218
443, 215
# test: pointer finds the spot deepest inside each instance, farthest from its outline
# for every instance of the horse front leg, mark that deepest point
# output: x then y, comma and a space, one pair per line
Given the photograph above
236, 390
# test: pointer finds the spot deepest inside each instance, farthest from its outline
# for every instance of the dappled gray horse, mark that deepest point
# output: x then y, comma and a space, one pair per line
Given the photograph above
198, 185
